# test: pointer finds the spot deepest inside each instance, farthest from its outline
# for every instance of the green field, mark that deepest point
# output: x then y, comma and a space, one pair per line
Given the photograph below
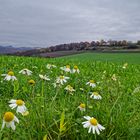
133, 58
53, 111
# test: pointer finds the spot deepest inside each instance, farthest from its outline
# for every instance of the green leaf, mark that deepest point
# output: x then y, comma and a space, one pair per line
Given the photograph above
62, 119
45, 137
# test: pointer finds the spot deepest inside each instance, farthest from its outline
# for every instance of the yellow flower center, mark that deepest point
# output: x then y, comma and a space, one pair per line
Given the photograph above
19, 102
82, 105
62, 77
11, 73
92, 81
8, 116
67, 66
95, 93
93, 121
75, 67
32, 82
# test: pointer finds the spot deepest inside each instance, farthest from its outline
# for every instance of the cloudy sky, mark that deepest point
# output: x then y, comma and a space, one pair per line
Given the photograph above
41, 23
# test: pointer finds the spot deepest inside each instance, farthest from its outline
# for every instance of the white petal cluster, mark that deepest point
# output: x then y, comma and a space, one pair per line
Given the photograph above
26, 72
91, 83
92, 125
61, 80
9, 76
66, 68
75, 70
9, 120
50, 66
44, 77
82, 107
21, 108
95, 95
69, 88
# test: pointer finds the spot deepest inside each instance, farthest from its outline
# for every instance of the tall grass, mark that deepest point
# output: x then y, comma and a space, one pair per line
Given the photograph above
53, 112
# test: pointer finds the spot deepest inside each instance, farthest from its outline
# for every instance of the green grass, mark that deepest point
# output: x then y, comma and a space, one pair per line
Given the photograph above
133, 58
118, 111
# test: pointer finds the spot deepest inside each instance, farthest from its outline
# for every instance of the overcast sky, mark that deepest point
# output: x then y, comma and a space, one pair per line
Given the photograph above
41, 23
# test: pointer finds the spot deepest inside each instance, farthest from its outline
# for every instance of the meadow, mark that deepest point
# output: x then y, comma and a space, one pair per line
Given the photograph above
56, 113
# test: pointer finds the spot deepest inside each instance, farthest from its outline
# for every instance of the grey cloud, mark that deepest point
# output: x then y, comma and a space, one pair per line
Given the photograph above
48, 22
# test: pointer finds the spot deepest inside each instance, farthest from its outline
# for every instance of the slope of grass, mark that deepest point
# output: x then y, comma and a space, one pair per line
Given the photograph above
118, 110
133, 58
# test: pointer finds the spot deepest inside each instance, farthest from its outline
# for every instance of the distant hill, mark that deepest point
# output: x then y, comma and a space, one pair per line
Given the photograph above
74, 48
11, 49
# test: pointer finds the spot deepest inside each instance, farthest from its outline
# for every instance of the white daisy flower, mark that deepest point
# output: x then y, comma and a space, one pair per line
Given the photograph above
9, 120
82, 107
62, 79
26, 72
75, 69
49, 66
9, 76
93, 125
21, 108
91, 83
69, 88
44, 77
95, 95
66, 68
